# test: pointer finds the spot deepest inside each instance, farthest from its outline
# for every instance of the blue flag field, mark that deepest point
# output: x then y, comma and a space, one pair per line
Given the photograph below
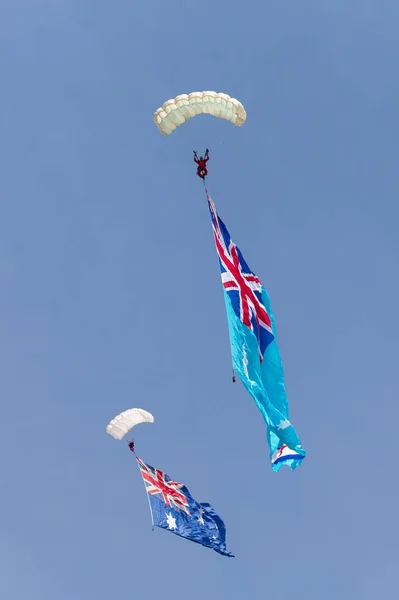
173, 508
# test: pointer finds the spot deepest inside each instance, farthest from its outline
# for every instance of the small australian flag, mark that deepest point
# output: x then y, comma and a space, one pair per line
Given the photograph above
173, 508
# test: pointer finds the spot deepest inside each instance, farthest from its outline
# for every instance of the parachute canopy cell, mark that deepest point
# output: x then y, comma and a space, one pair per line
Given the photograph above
121, 424
177, 111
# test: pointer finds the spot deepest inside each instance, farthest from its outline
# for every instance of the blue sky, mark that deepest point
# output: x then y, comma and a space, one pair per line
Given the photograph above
111, 297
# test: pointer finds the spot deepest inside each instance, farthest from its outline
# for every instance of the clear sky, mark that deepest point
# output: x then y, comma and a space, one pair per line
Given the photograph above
111, 295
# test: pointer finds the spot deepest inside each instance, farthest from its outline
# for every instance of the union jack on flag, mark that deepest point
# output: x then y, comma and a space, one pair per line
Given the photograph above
159, 484
242, 285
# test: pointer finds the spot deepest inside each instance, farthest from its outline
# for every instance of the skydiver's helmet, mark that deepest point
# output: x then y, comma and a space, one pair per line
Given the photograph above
201, 158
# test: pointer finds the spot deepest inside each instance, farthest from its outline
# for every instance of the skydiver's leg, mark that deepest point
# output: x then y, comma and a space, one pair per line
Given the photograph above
204, 172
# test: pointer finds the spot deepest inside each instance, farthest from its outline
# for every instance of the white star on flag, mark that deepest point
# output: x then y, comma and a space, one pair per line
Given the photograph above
200, 519
171, 521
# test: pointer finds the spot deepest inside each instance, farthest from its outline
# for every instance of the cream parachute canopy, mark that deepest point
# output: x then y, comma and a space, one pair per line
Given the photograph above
177, 111
121, 424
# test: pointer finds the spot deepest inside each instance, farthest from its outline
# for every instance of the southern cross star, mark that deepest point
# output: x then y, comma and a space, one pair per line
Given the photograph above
200, 519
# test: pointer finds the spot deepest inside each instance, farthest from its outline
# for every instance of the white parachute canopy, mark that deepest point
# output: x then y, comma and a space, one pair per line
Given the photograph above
121, 424
177, 111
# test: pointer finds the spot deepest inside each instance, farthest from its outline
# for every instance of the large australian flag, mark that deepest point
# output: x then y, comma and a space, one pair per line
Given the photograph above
173, 508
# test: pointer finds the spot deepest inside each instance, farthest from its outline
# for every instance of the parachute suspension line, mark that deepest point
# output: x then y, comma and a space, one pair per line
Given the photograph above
207, 194
146, 493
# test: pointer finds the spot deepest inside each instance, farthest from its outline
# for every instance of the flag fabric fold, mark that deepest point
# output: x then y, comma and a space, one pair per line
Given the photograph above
174, 509
255, 355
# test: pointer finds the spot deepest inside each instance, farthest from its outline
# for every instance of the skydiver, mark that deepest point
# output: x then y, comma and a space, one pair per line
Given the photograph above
131, 446
202, 171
